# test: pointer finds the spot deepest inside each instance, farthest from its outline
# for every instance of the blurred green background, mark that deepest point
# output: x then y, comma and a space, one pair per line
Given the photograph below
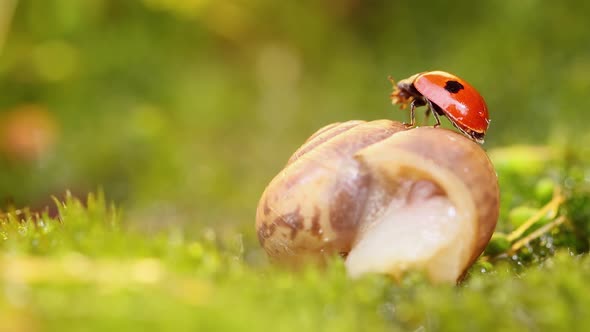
183, 110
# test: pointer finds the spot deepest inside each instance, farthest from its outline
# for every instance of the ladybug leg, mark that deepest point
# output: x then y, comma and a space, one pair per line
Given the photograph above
391, 80
426, 115
437, 119
412, 115
431, 110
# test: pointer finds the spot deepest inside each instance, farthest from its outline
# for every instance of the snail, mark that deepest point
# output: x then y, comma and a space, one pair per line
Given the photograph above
387, 198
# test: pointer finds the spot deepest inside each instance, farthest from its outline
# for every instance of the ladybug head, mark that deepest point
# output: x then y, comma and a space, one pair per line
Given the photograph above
403, 91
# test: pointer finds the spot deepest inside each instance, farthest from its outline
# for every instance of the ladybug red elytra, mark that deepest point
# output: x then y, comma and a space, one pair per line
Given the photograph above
444, 94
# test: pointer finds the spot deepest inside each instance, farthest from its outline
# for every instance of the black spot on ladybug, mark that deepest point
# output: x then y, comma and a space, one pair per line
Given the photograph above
453, 86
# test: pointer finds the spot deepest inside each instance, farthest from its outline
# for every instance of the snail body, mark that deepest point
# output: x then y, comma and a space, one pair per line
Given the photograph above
387, 198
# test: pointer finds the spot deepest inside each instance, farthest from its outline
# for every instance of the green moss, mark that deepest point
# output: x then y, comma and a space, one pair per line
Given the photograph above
520, 214
86, 271
499, 243
544, 189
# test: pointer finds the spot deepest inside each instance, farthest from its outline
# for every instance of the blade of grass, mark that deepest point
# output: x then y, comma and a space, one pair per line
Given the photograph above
536, 234
7, 8
553, 205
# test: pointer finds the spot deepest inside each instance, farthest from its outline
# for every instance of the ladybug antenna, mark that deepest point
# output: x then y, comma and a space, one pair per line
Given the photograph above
390, 79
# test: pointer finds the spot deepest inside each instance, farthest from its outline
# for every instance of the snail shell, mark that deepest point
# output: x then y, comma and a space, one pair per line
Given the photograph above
387, 198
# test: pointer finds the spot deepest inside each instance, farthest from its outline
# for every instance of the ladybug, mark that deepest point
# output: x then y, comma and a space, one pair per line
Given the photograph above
444, 94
